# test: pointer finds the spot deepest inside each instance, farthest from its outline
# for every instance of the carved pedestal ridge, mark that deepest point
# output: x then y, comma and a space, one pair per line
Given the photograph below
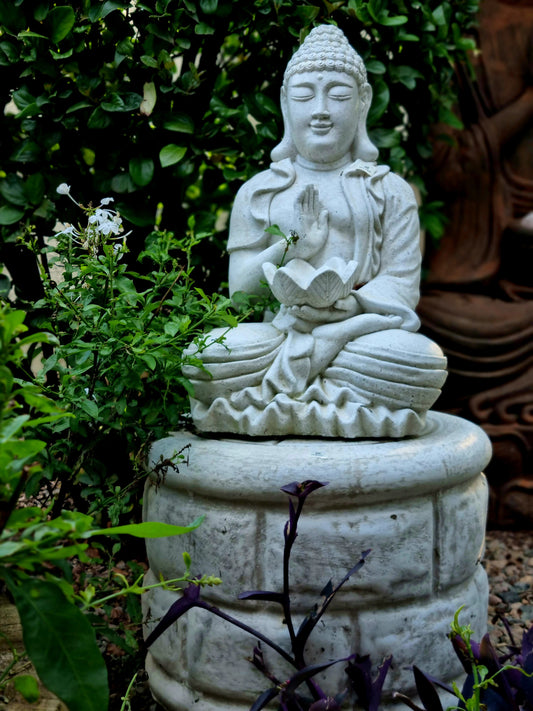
418, 503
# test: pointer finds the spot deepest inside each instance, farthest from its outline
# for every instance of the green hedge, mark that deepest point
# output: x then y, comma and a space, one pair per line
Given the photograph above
151, 102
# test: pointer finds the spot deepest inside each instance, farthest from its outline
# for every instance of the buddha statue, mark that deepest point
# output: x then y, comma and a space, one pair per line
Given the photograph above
342, 357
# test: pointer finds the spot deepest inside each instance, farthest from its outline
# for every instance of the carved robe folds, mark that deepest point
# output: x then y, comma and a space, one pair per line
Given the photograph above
370, 375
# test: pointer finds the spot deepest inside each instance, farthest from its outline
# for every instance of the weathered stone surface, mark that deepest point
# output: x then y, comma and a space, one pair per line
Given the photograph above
395, 533
422, 629
462, 540
409, 501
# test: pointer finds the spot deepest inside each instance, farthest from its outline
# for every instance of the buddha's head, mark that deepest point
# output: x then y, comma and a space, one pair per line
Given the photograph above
325, 100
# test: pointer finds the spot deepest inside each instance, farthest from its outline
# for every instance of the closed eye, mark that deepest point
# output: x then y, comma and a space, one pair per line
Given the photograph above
302, 96
340, 97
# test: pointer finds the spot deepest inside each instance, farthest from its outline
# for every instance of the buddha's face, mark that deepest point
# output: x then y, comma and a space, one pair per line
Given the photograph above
322, 109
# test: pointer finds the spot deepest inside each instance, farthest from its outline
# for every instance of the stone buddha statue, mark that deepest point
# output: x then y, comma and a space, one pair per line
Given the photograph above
342, 357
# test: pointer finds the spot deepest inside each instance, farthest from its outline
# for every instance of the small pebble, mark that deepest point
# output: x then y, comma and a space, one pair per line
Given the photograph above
509, 565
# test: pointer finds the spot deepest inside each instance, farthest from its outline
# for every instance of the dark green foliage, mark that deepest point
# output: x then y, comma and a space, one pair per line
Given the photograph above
175, 102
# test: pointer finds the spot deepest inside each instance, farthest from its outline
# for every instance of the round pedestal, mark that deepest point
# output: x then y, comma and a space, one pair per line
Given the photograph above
419, 504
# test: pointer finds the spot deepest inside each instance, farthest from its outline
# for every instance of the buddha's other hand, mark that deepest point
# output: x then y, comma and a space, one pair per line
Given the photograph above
307, 317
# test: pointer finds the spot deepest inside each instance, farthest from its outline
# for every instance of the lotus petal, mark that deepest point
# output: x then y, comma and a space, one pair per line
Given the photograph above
299, 283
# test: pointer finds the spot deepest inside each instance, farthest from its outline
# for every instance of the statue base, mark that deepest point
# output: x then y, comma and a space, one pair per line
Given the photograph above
419, 504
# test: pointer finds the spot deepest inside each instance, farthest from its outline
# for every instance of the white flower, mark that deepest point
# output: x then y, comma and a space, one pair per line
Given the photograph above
63, 189
106, 221
69, 230
106, 201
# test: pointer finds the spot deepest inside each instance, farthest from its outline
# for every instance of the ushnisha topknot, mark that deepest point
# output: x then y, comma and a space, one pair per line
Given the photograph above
326, 49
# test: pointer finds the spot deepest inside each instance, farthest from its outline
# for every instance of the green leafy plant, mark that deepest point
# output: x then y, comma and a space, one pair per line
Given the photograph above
58, 636
35, 548
115, 363
17, 399
492, 683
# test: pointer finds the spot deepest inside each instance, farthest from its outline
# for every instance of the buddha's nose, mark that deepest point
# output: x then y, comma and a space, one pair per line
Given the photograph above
320, 108
320, 113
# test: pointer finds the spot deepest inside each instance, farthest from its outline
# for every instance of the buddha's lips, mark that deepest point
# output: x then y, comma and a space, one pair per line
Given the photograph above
322, 127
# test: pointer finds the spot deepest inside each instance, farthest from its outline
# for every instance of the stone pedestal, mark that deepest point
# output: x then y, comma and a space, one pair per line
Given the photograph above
419, 504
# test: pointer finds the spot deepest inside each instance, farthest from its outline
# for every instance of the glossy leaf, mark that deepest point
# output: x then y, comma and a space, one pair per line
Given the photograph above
127, 101
8, 53
12, 189
10, 215
392, 21
35, 188
406, 75
100, 10
62, 645
149, 61
180, 123
41, 10
380, 101
99, 119
11, 16
209, 6
27, 152
171, 154
202, 28
141, 170
374, 66
385, 137
61, 20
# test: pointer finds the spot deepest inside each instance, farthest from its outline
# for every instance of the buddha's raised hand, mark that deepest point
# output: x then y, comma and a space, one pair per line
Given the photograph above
313, 224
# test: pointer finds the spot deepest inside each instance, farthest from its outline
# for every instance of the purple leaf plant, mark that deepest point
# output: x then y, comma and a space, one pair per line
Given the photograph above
492, 683
358, 669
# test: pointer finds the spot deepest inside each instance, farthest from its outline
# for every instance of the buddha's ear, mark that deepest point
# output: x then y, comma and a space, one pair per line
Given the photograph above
363, 147
283, 102
286, 148
365, 101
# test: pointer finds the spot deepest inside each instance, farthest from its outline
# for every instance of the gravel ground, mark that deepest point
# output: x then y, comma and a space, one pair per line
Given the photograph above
509, 564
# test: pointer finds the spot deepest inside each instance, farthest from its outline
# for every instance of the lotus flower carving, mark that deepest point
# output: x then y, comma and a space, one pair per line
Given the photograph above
298, 283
